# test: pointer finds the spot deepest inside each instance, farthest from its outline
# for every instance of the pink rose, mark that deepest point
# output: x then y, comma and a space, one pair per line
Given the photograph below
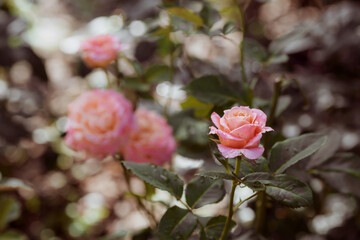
152, 141
240, 131
100, 51
99, 123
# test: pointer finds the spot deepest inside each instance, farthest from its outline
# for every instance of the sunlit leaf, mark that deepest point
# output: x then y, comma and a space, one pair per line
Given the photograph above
157, 176
187, 15
177, 223
9, 210
200, 109
201, 191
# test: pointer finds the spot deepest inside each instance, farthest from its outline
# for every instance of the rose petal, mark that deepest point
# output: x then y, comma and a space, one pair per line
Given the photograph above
260, 117
245, 132
223, 125
254, 142
267, 129
215, 118
252, 153
224, 135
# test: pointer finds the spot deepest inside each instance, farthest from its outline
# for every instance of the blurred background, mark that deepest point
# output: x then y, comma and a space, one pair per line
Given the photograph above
48, 192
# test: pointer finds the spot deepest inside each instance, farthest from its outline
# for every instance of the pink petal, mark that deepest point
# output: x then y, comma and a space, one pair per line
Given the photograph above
254, 142
223, 134
267, 129
245, 132
224, 124
215, 118
260, 117
252, 153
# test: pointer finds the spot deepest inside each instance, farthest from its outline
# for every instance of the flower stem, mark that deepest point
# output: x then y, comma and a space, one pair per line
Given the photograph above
260, 212
241, 202
231, 201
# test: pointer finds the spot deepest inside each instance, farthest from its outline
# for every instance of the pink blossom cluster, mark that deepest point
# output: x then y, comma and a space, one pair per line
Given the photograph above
102, 122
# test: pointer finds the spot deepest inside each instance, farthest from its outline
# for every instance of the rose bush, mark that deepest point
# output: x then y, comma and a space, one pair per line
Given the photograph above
99, 122
240, 131
100, 51
152, 141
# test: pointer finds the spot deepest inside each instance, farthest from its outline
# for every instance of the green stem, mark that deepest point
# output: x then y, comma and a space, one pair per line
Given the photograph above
274, 101
241, 202
231, 202
149, 215
241, 46
260, 212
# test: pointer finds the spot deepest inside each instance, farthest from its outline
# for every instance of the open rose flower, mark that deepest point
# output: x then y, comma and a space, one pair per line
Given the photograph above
152, 141
99, 123
240, 131
100, 51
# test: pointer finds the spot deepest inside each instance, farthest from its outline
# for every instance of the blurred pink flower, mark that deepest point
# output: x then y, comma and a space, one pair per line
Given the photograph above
152, 141
240, 131
100, 51
99, 123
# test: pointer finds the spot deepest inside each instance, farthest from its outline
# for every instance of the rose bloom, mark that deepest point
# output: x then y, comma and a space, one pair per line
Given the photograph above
152, 141
240, 131
99, 123
100, 51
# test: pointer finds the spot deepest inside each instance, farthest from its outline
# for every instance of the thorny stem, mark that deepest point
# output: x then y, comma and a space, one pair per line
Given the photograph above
231, 201
149, 215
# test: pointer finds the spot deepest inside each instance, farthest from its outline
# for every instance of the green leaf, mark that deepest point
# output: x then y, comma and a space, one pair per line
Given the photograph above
214, 228
201, 191
157, 74
289, 191
9, 210
287, 153
187, 15
157, 176
136, 84
255, 180
253, 49
216, 175
200, 109
210, 89
282, 188
258, 165
341, 172
177, 223
229, 27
